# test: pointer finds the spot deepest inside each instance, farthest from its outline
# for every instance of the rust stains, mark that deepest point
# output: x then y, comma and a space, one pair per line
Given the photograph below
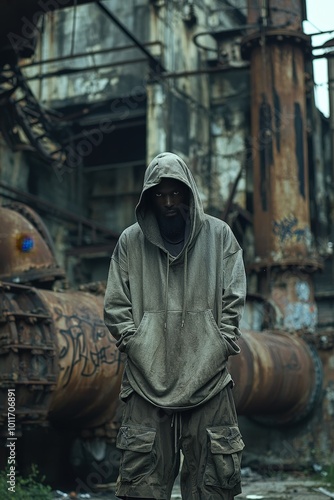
265, 145
299, 132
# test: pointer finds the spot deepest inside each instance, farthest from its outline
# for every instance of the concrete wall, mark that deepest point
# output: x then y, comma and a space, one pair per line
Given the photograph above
186, 114
88, 29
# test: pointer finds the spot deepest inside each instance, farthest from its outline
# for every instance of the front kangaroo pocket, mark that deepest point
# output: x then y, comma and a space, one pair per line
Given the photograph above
170, 358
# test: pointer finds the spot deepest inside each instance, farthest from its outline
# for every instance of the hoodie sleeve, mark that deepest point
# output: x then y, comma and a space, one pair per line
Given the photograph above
117, 302
234, 293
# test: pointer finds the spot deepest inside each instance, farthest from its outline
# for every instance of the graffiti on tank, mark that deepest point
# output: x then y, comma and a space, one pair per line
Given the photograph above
88, 355
286, 229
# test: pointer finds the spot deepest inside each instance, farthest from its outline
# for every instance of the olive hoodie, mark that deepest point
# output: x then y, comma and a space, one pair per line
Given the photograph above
176, 318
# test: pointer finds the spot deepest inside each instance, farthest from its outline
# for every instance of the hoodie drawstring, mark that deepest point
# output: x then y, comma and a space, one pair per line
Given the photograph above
166, 293
185, 276
184, 301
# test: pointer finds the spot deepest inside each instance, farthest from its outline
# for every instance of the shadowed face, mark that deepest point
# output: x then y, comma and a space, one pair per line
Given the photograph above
170, 197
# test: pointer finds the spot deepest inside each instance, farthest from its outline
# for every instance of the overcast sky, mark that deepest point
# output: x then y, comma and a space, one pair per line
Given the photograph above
320, 14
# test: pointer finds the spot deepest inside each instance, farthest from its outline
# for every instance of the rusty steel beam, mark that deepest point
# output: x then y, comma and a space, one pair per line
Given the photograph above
155, 65
91, 53
83, 69
278, 377
55, 211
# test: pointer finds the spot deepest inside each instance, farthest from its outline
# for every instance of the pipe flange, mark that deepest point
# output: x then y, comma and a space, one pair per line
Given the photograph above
308, 264
277, 36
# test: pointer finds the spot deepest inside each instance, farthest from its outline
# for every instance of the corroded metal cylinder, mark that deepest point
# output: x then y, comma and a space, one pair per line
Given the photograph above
26, 251
281, 191
58, 356
278, 377
54, 347
279, 145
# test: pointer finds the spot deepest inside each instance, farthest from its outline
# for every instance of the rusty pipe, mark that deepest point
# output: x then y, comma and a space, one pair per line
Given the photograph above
59, 357
278, 377
279, 143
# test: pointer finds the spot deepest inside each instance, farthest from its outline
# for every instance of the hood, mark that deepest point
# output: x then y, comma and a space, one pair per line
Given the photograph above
171, 166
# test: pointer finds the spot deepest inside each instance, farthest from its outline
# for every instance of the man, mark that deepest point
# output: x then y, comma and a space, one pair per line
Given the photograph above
174, 298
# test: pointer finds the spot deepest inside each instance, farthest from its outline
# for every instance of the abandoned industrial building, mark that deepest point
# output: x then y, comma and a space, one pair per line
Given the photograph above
90, 92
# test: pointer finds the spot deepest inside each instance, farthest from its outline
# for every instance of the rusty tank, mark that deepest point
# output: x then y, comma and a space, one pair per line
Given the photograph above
55, 349
26, 248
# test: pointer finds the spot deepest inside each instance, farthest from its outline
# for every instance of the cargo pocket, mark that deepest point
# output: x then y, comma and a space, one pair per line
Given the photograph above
138, 455
224, 457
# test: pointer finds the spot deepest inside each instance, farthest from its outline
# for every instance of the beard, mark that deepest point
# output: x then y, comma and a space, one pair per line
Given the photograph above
172, 228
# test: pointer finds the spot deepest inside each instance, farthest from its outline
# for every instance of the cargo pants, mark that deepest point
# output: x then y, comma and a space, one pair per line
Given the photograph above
151, 439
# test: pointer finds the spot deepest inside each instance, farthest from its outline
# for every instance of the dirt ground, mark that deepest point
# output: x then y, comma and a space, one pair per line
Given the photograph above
255, 487
285, 487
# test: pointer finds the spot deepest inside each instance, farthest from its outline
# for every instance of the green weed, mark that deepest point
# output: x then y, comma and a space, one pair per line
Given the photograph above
329, 475
26, 488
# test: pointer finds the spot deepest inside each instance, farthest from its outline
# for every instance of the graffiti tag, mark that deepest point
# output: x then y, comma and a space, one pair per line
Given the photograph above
82, 344
286, 229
